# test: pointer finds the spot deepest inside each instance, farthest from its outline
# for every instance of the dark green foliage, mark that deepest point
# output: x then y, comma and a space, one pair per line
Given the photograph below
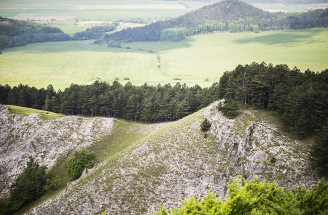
18, 33
29, 184
273, 160
142, 103
229, 108
320, 152
80, 160
256, 197
228, 15
173, 34
94, 32
205, 126
28, 187
300, 98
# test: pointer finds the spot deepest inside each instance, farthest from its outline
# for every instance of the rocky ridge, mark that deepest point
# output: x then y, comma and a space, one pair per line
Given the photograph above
176, 161
46, 140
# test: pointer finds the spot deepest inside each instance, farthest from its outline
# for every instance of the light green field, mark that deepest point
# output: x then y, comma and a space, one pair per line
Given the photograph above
193, 60
70, 30
28, 111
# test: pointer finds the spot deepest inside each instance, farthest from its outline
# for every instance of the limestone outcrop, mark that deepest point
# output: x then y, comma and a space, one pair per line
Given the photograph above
46, 140
177, 161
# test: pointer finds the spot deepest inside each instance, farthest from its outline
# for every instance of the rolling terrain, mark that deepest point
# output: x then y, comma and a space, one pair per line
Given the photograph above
171, 161
279, 133
200, 59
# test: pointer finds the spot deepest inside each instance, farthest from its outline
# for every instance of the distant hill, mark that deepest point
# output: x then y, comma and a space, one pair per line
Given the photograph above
228, 15
18, 33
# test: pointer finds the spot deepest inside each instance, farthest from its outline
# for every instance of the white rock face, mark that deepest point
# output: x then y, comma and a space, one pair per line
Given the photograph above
177, 161
45, 140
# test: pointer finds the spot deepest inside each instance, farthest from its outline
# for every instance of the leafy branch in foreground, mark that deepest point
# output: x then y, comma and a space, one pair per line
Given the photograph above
256, 197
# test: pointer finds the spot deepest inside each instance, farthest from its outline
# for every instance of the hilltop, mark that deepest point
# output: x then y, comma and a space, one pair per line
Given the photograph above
172, 161
228, 15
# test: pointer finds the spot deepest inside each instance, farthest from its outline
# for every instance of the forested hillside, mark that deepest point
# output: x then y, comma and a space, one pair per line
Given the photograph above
300, 98
229, 15
18, 33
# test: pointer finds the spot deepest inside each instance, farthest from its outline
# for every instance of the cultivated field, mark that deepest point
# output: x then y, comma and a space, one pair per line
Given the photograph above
198, 60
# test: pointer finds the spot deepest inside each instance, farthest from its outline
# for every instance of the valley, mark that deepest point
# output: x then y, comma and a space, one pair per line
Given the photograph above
163, 107
200, 59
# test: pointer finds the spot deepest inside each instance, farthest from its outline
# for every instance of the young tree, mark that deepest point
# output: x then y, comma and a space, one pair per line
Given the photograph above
229, 109
28, 185
205, 126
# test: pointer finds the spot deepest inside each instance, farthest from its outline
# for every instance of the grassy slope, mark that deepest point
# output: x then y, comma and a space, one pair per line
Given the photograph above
175, 161
28, 111
192, 60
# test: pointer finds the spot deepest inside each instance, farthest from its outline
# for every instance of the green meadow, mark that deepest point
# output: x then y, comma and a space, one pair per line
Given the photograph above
198, 60
28, 111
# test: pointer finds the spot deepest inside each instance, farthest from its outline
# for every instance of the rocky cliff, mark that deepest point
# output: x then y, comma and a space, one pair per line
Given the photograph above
176, 161
46, 140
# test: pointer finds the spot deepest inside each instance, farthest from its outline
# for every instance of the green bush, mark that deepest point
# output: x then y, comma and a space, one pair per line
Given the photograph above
28, 187
205, 126
256, 197
80, 160
229, 109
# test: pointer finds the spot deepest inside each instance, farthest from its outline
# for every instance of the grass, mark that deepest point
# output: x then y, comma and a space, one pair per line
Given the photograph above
70, 30
28, 111
198, 60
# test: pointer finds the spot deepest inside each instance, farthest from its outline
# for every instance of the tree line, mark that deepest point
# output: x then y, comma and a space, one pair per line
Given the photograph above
94, 32
301, 99
140, 103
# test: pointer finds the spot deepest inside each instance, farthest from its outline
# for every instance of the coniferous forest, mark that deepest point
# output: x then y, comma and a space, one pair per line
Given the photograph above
301, 99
